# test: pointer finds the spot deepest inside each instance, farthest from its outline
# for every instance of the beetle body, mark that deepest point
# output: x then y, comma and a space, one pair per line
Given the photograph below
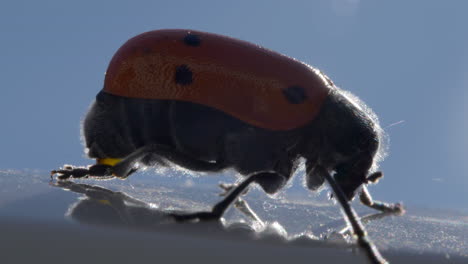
243, 112
208, 102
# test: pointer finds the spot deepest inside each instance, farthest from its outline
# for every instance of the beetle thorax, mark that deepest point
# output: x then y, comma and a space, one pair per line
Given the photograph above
341, 131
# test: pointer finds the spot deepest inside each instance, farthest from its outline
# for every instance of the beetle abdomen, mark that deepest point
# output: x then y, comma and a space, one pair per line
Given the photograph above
116, 126
256, 85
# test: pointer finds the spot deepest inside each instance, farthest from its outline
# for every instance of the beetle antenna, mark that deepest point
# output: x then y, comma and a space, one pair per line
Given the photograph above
395, 123
363, 240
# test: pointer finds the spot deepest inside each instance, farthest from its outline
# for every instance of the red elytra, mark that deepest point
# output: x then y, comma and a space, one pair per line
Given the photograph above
237, 77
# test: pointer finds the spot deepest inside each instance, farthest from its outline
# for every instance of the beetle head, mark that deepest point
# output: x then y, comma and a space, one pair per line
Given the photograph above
346, 142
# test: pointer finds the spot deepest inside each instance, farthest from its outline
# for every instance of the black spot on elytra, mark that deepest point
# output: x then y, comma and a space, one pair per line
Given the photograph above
295, 94
192, 40
183, 75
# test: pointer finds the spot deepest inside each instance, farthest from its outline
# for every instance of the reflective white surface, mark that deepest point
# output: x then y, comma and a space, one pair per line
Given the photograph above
60, 218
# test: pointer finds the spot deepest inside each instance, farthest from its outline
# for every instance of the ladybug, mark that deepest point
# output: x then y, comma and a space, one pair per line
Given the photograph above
208, 103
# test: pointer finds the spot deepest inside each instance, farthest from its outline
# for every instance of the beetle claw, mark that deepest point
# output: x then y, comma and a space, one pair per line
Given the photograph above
69, 171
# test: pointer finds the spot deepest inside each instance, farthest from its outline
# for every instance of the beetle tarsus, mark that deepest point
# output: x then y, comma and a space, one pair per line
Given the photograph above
97, 171
70, 172
367, 200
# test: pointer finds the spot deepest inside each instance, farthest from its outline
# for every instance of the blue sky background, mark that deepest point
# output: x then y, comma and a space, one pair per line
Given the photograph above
408, 60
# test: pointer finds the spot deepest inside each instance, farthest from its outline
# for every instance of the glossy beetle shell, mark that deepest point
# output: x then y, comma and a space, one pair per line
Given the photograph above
258, 86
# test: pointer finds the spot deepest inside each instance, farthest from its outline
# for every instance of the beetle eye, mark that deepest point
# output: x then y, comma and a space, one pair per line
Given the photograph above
374, 177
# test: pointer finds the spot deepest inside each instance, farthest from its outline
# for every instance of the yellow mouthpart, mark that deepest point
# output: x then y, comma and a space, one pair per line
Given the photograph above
104, 202
108, 161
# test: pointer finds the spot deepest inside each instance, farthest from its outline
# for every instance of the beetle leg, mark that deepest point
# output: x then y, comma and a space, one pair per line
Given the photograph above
240, 204
97, 171
219, 209
160, 153
367, 200
366, 219
358, 229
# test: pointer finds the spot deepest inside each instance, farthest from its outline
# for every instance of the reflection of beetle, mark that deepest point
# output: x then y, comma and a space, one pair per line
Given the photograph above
208, 102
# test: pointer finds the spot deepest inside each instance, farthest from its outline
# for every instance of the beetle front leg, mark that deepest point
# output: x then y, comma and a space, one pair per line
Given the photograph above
367, 200
358, 229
